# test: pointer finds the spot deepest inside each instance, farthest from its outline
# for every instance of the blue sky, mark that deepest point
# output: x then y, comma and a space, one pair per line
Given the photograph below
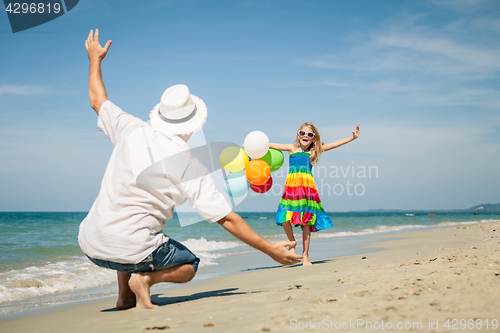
421, 78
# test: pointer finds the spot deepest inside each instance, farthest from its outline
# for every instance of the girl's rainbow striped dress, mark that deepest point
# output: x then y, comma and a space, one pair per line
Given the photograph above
300, 203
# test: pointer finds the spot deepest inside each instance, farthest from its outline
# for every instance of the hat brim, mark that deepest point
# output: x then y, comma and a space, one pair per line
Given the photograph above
190, 126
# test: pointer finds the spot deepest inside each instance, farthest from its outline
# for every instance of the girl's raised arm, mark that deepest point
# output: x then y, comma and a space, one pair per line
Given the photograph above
338, 143
282, 146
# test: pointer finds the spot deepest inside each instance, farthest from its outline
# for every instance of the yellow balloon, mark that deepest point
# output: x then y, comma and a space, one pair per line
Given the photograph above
233, 159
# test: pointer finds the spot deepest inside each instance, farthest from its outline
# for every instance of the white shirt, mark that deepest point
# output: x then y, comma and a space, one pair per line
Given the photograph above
147, 175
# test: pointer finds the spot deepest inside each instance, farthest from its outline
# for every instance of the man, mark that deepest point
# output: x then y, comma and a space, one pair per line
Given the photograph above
124, 228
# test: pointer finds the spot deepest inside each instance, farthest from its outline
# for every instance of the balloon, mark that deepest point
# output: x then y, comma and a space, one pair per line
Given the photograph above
233, 159
264, 187
274, 158
236, 184
257, 172
256, 144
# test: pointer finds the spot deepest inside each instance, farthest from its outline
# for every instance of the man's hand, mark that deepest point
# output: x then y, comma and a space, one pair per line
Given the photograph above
281, 254
97, 91
355, 133
94, 49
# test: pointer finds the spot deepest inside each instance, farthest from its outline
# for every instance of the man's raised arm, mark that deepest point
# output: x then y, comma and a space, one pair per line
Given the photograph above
96, 53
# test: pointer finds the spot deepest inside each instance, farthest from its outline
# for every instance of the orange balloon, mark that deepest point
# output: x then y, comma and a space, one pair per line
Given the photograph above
257, 172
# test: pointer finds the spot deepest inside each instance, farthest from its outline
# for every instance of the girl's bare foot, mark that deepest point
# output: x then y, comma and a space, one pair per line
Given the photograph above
292, 249
139, 285
305, 260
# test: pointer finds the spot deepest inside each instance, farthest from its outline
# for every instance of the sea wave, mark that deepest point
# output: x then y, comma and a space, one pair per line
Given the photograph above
76, 273
202, 245
69, 275
370, 231
202, 248
467, 222
387, 228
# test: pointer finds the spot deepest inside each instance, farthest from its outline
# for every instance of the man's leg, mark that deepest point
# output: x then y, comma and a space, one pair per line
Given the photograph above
126, 297
141, 283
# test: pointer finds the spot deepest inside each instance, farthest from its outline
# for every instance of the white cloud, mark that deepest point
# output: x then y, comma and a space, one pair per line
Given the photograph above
418, 53
463, 5
442, 55
398, 90
416, 60
415, 140
23, 90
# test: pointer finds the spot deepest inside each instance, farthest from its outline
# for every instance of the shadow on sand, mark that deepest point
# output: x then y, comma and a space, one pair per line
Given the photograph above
163, 300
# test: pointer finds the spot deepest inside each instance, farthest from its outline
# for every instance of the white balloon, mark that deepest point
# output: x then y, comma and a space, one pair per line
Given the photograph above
256, 144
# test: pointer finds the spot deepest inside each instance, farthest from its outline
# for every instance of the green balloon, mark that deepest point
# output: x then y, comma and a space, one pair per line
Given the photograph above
274, 158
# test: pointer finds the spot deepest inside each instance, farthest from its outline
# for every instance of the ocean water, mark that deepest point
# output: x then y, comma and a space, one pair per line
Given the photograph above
41, 263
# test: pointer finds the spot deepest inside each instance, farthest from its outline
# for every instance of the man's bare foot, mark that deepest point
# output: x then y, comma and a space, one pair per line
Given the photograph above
139, 285
123, 304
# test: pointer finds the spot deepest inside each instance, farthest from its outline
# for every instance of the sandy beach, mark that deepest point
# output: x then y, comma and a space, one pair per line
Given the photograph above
433, 280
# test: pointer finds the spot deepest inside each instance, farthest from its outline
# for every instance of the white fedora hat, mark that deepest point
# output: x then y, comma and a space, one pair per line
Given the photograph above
178, 112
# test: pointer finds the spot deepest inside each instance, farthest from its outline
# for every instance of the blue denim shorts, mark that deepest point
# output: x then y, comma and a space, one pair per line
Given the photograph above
169, 254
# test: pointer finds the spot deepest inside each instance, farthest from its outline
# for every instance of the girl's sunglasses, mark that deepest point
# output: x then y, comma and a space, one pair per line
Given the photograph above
304, 133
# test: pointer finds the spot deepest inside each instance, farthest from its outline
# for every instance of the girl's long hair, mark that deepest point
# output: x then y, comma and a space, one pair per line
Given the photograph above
316, 146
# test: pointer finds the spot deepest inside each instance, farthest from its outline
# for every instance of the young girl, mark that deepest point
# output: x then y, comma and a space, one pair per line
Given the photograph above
300, 203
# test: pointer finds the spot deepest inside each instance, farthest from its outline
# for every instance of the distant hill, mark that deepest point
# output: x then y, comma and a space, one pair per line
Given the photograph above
487, 208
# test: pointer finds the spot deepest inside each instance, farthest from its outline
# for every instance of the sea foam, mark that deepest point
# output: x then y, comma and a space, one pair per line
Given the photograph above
69, 275
386, 228
78, 273
202, 248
